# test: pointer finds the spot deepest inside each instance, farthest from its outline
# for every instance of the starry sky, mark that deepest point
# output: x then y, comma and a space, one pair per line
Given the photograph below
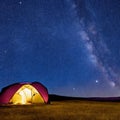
71, 46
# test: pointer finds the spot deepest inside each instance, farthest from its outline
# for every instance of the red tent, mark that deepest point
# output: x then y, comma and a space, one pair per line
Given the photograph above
24, 93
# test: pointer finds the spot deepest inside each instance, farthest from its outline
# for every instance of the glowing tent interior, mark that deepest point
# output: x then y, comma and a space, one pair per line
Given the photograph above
24, 93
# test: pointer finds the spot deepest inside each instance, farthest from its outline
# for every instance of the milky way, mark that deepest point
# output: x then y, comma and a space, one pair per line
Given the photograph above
98, 52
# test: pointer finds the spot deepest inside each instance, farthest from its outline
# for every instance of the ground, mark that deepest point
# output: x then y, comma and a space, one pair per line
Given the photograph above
63, 110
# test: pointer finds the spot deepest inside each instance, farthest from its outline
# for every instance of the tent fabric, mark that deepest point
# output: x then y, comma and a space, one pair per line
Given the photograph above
8, 92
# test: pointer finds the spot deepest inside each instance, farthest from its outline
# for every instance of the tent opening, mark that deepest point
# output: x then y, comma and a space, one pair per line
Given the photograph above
27, 94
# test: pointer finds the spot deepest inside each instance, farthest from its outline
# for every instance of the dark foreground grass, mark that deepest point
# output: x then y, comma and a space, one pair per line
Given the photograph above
63, 110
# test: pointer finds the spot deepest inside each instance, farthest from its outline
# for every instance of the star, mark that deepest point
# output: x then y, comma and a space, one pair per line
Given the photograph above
73, 89
96, 81
5, 51
20, 2
112, 83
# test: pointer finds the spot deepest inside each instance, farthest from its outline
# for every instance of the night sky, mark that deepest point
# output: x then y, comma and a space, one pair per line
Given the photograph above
71, 46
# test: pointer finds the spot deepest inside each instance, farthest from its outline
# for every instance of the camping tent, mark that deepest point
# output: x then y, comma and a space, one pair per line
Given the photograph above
24, 93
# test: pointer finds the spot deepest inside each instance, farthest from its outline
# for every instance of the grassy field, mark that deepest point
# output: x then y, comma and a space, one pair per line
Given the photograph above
63, 110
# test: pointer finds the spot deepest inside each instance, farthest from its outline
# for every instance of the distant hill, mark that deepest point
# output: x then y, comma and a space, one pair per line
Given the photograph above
54, 97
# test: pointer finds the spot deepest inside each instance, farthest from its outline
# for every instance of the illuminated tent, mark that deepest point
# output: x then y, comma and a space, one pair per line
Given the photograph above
24, 93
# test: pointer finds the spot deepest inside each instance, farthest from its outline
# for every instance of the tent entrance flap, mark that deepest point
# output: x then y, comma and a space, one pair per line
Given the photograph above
27, 94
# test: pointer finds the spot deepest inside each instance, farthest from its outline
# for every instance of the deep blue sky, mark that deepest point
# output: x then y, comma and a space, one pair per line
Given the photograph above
72, 47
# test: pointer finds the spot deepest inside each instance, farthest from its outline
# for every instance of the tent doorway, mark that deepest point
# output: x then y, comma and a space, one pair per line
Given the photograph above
27, 94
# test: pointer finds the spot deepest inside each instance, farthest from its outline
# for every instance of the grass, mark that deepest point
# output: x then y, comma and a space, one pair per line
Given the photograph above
63, 110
